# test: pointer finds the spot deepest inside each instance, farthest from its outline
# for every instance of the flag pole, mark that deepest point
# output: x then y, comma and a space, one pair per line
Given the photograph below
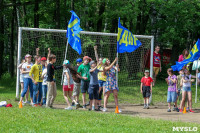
117, 69
196, 80
65, 59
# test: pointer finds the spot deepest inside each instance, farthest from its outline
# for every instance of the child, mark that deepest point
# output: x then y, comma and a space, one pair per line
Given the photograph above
44, 85
22, 79
146, 88
26, 67
172, 89
101, 77
84, 70
156, 63
51, 84
36, 76
68, 85
111, 83
186, 81
77, 83
94, 86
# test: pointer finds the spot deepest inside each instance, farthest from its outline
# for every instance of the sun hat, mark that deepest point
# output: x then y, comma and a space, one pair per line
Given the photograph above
146, 71
79, 60
87, 57
43, 59
28, 55
92, 62
65, 62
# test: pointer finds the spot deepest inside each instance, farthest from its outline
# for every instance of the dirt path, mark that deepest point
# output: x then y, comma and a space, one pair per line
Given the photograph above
155, 112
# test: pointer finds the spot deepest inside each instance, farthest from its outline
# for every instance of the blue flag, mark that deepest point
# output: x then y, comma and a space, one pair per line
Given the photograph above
73, 30
194, 55
126, 41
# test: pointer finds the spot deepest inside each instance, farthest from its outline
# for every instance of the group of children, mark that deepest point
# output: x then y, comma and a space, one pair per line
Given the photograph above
96, 78
176, 85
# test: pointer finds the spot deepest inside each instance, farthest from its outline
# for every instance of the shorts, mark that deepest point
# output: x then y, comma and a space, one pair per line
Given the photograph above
146, 91
21, 78
93, 92
156, 70
65, 87
102, 83
186, 89
171, 96
76, 90
84, 86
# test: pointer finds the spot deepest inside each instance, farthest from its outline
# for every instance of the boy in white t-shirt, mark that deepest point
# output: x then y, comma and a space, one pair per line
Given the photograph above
44, 85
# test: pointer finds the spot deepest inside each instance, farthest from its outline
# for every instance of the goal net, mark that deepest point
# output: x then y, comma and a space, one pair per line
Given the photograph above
132, 65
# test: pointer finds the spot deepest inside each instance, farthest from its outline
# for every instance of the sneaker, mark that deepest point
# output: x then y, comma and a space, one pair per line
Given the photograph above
144, 107
169, 110
93, 108
100, 108
77, 105
73, 104
119, 110
22, 103
104, 109
191, 111
84, 107
34, 105
174, 109
180, 110
89, 109
187, 109
39, 104
147, 107
97, 109
87, 104
177, 110
69, 108
27, 102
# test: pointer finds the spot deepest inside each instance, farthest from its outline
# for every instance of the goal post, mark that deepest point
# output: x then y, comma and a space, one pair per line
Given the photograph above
132, 65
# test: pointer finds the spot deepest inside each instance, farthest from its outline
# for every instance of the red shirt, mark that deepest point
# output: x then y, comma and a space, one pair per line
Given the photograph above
146, 81
156, 60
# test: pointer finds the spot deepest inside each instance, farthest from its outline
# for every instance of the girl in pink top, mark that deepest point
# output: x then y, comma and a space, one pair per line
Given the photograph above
184, 55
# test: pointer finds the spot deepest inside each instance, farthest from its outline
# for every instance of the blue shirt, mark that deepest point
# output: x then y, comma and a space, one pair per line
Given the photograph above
94, 77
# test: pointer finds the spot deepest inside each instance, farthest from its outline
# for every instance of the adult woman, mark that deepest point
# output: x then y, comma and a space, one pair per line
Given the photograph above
111, 83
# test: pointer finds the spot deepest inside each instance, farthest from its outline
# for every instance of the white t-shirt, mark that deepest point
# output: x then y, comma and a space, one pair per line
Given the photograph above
65, 77
44, 72
27, 67
188, 78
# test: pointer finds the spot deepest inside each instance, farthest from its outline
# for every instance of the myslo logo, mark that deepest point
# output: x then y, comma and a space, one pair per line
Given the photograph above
180, 129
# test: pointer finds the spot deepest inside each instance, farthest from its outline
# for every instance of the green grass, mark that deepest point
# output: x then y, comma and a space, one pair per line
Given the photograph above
30, 119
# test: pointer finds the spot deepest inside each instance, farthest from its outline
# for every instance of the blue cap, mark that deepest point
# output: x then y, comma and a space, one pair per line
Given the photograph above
79, 60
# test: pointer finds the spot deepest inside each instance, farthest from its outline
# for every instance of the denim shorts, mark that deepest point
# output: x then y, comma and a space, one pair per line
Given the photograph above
102, 83
171, 96
187, 89
84, 86
93, 92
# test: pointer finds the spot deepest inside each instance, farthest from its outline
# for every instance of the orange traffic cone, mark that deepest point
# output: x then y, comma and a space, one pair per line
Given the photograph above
117, 110
184, 110
20, 104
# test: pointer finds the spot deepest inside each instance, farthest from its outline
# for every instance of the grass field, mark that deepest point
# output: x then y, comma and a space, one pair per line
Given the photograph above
29, 119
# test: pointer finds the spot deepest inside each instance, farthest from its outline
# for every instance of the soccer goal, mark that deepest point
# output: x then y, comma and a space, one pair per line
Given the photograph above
132, 65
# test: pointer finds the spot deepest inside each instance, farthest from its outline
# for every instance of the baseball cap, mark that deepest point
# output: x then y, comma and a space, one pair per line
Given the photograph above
146, 71
65, 62
28, 55
43, 59
79, 60
87, 57
92, 62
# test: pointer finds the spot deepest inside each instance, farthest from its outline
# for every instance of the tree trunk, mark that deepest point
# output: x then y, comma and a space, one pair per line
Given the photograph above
175, 52
57, 17
1, 38
72, 4
36, 19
